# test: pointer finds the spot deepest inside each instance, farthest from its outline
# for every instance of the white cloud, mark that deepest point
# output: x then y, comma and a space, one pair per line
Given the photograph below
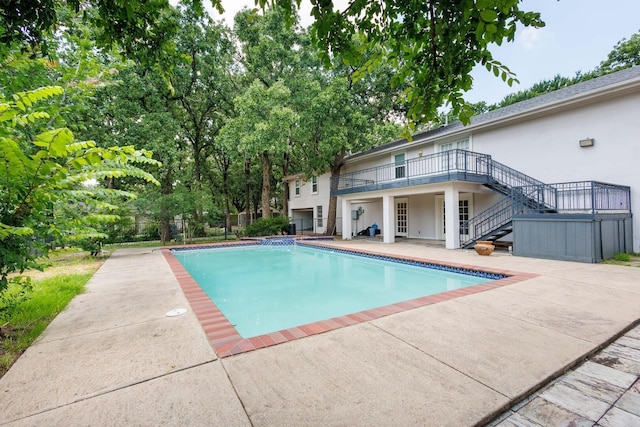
530, 38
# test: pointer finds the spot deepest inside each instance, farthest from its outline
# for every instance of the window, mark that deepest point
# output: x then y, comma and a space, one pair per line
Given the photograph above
319, 220
398, 159
451, 160
314, 185
297, 187
462, 144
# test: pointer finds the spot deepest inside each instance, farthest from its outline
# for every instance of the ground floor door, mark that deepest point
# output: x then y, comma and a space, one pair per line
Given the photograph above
465, 210
402, 217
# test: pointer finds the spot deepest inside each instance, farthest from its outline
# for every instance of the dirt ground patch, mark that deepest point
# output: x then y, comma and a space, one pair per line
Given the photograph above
67, 263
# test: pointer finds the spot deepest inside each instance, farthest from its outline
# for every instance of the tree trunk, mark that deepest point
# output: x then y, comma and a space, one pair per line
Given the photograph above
333, 200
285, 195
225, 191
165, 226
266, 185
247, 191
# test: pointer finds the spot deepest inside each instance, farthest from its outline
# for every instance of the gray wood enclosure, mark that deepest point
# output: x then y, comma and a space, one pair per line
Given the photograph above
581, 237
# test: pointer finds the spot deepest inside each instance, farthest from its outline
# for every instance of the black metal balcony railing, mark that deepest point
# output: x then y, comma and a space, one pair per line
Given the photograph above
523, 194
593, 197
438, 164
447, 165
586, 197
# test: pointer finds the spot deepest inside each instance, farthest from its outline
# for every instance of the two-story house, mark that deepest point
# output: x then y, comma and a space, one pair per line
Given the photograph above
556, 175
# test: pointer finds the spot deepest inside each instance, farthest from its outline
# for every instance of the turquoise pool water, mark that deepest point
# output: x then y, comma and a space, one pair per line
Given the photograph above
262, 289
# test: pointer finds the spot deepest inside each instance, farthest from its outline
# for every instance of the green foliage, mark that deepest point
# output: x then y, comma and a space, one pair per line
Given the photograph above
17, 291
542, 87
433, 45
42, 176
624, 257
262, 129
268, 226
625, 54
90, 245
25, 320
151, 231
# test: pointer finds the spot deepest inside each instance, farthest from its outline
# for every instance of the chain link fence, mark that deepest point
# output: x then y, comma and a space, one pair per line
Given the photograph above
140, 230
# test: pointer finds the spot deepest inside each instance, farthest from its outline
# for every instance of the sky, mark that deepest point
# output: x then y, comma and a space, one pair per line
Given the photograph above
578, 36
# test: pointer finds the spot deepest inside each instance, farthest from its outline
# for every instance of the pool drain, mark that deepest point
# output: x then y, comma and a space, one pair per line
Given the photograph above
176, 312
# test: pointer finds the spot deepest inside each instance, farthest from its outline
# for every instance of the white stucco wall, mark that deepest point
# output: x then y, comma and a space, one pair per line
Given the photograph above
545, 147
422, 216
548, 148
309, 200
372, 214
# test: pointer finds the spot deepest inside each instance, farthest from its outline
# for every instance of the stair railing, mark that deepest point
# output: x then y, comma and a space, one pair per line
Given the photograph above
535, 198
534, 194
496, 216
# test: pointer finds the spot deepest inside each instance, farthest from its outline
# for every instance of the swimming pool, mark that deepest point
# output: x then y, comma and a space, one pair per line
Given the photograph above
262, 289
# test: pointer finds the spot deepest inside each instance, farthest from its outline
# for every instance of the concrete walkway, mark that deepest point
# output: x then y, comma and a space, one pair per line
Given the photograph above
603, 391
114, 358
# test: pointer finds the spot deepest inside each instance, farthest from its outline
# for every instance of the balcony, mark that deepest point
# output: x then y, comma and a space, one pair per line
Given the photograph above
452, 165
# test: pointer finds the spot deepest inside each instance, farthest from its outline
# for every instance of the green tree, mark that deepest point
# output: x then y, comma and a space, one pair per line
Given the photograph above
203, 99
340, 115
336, 125
625, 54
42, 173
179, 125
434, 45
261, 129
136, 109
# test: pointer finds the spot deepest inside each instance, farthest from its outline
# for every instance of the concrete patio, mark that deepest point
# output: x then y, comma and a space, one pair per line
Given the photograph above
114, 358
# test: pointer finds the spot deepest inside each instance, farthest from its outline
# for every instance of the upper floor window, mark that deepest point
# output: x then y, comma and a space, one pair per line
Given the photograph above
462, 144
399, 161
297, 184
314, 185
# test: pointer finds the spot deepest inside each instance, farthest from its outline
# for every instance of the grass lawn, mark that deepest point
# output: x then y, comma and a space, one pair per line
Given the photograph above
157, 243
52, 291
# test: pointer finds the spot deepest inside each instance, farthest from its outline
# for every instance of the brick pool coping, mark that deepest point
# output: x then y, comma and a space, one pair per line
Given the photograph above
226, 341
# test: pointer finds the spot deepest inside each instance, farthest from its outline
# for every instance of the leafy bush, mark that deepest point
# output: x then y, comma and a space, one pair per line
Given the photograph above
16, 292
90, 245
151, 231
267, 226
42, 189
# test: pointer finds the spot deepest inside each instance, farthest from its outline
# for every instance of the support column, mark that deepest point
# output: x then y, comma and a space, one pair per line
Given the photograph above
388, 219
452, 217
346, 219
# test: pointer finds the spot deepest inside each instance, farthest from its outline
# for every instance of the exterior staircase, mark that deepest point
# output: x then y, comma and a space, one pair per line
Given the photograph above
523, 194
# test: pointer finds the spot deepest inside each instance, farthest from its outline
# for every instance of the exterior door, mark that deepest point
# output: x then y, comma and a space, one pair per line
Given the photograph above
465, 211
450, 161
402, 217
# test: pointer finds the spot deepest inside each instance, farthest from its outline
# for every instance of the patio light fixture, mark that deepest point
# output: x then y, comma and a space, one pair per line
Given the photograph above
587, 142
